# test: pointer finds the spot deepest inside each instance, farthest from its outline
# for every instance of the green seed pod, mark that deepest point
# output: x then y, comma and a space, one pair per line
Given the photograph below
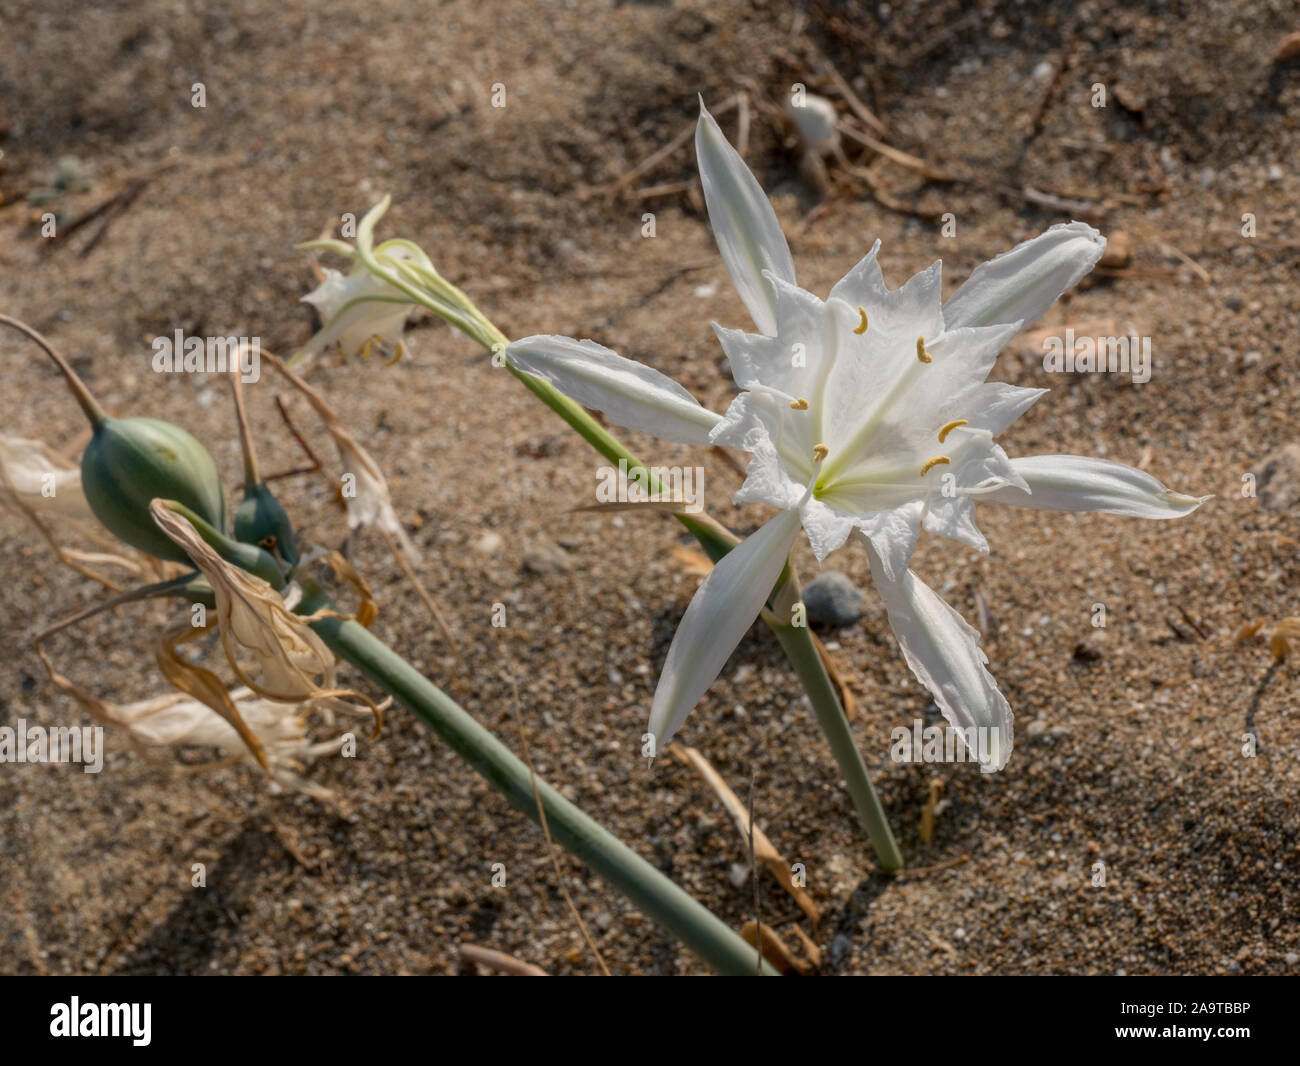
262, 521
130, 461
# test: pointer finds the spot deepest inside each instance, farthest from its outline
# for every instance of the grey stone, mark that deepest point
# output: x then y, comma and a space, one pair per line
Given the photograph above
545, 557
1278, 486
832, 599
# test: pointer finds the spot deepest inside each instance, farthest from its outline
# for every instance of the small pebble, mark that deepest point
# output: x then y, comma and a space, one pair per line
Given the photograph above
832, 599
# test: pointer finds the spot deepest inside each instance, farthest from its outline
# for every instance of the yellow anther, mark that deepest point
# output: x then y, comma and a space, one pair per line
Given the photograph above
930, 464
799, 405
399, 351
820, 452
862, 326
921, 353
950, 427
364, 351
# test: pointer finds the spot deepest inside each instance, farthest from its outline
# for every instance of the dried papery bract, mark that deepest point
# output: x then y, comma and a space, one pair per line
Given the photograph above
289, 662
174, 719
45, 489
202, 684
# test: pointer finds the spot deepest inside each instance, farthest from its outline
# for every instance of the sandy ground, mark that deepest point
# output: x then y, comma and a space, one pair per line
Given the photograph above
1129, 749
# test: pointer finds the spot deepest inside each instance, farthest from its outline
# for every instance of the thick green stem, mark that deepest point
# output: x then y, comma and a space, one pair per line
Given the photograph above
802, 653
654, 894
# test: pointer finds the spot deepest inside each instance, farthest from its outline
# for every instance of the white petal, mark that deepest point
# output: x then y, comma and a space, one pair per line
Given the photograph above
996, 405
744, 224
723, 609
631, 393
771, 358
1024, 282
893, 535
826, 527
1080, 483
374, 311
864, 285
944, 653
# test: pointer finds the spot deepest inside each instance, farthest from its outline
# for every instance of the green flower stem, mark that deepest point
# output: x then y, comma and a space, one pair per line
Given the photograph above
795, 641
714, 538
706, 935
802, 653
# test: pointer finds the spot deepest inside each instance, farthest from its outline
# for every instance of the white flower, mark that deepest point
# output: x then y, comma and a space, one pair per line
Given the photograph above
866, 411
357, 309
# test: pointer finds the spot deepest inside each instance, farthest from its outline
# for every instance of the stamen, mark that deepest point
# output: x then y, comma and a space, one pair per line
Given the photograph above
950, 427
862, 326
819, 454
799, 405
921, 353
930, 464
399, 351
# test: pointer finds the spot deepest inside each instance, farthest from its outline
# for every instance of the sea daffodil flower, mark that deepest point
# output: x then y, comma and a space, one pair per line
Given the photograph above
371, 303
358, 310
867, 411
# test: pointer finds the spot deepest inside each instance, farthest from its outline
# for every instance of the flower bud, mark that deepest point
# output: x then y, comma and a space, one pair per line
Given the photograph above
260, 520
131, 461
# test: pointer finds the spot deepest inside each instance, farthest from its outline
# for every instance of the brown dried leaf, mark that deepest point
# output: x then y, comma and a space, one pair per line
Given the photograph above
693, 562
774, 949
1288, 48
1247, 631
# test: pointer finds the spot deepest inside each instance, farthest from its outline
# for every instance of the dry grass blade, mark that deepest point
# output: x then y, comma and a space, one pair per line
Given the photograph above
1247, 631
930, 809
499, 960
693, 562
764, 851
1280, 644
897, 155
774, 949
677, 141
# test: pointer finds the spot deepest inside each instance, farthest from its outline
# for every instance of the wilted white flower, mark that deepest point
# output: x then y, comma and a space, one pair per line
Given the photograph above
815, 118
174, 719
